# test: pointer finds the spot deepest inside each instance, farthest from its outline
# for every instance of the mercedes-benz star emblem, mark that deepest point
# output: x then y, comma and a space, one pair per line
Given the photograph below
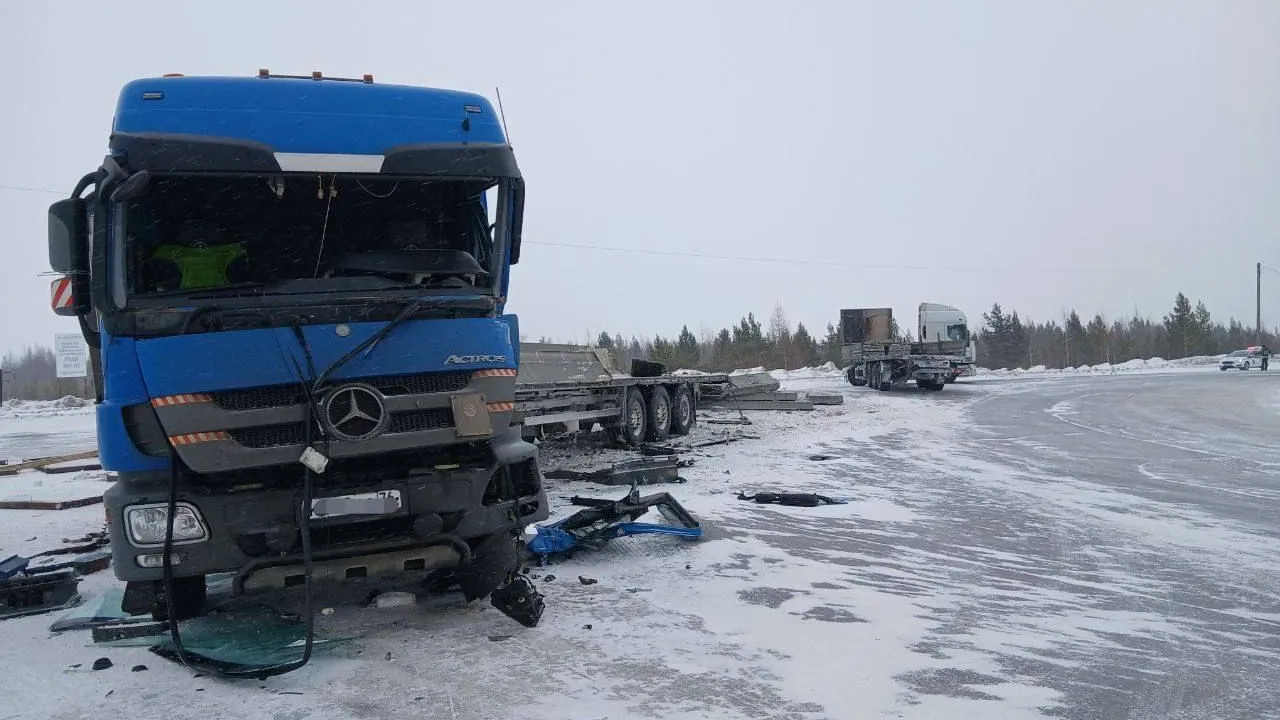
354, 412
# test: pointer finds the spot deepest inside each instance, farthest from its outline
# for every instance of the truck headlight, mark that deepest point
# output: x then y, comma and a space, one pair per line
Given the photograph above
146, 524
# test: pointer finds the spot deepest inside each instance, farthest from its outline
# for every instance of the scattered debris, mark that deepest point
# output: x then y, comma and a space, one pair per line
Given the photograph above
128, 631
61, 469
724, 440
587, 626
100, 609
327, 611
586, 580
825, 399
101, 663
138, 668
41, 462
549, 578
754, 391
604, 520
49, 504
641, 471
34, 594
12, 565
240, 640
499, 638
820, 457
651, 449
793, 499
728, 421
519, 600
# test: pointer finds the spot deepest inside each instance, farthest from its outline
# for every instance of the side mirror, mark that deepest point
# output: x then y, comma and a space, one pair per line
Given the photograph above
69, 255
68, 239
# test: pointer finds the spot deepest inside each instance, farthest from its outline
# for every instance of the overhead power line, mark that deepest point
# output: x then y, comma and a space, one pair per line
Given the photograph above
23, 188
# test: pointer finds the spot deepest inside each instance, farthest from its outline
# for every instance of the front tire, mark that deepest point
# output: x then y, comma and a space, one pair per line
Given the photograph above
188, 598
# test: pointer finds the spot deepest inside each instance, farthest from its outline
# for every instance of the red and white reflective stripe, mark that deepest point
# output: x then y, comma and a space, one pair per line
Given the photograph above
495, 372
193, 438
186, 399
60, 289
501, 407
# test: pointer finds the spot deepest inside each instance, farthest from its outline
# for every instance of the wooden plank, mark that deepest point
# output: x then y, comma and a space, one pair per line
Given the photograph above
33, 464
48, 504
766, 404
825, 399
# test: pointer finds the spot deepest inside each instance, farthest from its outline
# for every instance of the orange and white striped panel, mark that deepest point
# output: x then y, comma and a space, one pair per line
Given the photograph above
185, 399
199, 437
501, 406
493, 372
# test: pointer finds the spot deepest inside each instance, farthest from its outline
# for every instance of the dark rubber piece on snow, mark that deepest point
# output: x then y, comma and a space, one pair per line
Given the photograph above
520, 601
102, 663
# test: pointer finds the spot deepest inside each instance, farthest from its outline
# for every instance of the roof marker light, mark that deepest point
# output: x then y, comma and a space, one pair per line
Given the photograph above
317, 75
264, 73
368, 77
173, 75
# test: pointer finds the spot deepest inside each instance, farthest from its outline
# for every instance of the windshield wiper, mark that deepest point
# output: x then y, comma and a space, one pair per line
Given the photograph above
203, 292
367, 345
204, 310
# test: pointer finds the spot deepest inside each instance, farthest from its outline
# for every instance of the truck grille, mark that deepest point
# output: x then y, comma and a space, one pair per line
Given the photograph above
389, 385
269, 436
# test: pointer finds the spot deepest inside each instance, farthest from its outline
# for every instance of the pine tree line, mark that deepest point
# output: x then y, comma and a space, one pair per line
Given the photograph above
1007, 341
32, 375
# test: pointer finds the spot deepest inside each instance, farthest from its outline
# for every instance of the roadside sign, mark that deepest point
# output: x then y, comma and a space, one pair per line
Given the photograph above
71, 355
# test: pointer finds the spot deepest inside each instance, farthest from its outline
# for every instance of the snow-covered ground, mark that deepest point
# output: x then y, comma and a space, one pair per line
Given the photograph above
926, 595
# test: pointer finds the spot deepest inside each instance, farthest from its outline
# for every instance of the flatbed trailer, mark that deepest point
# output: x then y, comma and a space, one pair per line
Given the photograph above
879, 358
882, 364
565, 387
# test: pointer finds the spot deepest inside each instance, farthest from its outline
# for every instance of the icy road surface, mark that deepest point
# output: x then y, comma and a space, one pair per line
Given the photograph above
1098, 547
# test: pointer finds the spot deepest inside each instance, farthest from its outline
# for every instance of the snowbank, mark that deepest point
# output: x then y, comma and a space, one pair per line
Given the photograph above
68, 405
1155, 363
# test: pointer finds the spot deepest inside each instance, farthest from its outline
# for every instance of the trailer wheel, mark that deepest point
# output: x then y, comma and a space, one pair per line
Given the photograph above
852, 376
684, 414
630, 428
659, 425
884, 377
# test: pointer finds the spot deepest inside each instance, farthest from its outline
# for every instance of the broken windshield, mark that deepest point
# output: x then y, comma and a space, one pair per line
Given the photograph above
298, 234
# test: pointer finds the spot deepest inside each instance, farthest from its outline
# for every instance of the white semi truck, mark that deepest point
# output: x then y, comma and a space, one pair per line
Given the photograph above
944, 349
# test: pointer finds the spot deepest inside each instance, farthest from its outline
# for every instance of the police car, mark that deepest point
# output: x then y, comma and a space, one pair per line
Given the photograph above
1242, 359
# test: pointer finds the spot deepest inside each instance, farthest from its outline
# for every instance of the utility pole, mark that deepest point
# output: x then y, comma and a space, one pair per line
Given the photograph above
1257, 328
2, 374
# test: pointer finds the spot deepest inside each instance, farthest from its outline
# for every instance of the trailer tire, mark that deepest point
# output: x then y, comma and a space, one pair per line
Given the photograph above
630, 427
188, 598
684, 412
853, 378
659, 409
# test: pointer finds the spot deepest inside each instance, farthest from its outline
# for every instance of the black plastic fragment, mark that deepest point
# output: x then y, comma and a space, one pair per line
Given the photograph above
519, 600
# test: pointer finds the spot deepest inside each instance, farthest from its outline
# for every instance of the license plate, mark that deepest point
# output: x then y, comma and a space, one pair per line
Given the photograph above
382, 502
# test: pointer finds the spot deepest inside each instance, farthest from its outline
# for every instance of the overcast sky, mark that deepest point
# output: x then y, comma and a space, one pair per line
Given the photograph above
1040, 154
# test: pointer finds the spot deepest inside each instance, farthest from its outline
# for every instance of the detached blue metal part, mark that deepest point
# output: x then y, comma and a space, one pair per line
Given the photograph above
605, 520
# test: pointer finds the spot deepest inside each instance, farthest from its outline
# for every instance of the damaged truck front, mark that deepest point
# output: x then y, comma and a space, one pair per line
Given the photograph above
293, 291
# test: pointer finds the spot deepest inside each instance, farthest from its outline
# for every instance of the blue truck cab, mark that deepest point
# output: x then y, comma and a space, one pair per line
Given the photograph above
293, 292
